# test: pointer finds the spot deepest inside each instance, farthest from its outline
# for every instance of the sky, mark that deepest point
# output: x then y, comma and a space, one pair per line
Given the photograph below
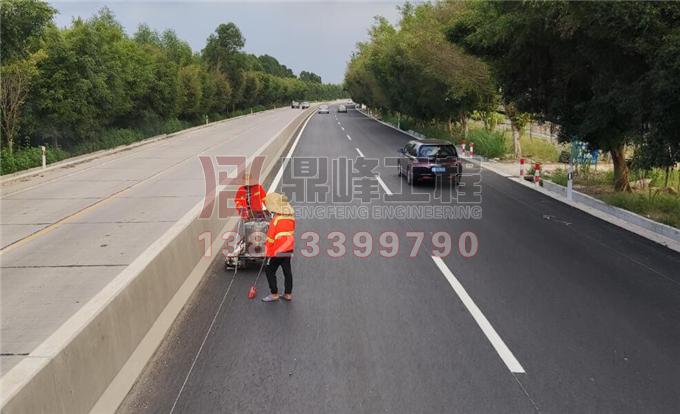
317, 36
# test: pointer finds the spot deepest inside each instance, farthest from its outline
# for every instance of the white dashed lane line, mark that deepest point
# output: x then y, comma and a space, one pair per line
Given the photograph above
359, 151
349, 138
382, 184
503, 351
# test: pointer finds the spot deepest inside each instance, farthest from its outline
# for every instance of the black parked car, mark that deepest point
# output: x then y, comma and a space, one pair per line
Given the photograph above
429, 158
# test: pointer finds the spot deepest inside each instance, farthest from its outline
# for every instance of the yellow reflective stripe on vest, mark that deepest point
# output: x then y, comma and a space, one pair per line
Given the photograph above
283, 233
277, 218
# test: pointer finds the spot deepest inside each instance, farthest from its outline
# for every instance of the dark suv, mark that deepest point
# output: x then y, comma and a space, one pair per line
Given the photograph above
429, 158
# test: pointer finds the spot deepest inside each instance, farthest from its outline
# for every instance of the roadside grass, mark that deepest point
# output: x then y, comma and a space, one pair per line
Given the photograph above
490, 144
659, 206
24, 158
653, 203
538, 149
658, 177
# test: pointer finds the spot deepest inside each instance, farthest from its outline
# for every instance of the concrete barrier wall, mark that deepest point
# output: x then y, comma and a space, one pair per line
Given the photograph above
73, 367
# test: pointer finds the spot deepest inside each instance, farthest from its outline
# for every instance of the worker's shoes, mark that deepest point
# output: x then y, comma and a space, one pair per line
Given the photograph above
288, 297
270, 298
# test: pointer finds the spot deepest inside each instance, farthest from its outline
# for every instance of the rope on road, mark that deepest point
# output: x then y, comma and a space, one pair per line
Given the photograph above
205, 338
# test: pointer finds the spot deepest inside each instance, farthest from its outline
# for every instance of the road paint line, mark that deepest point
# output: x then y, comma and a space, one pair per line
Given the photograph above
200, 349
348, 137
503, 351
359, 151
279, 174
382, 184
343, 128
338, 122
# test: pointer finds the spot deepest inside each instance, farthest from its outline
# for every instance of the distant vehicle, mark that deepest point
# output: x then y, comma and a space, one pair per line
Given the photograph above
323, 109
342, 108
295, 104
427, 159
305, 105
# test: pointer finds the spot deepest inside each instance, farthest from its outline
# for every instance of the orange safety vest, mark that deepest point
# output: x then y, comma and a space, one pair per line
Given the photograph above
281, 235
254, 203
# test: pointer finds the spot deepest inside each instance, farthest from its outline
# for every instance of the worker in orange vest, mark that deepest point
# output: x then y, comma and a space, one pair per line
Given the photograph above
280, 245
249, 198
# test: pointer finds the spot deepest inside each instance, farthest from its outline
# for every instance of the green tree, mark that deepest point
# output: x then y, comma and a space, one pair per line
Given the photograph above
414, 70
583, 66
90, 85
22, 26
223, 45
310, 77
145, 35
176, 49
17, 78
518, 121
270, 65
191, 92
22, 23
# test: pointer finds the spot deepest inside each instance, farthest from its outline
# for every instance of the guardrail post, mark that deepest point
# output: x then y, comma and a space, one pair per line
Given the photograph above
537, 173
570, 181
44, 156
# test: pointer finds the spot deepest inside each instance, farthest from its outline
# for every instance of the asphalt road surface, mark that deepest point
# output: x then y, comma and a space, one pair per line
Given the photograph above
555, 312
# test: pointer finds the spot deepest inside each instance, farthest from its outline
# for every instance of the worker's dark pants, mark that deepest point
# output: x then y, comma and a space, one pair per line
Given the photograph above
272, 266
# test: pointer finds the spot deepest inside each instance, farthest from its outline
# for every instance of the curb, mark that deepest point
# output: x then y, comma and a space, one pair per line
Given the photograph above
657, 232
387, 124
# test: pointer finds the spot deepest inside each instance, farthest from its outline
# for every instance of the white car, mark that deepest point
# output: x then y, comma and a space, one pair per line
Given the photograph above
323, 109
305, 105
342, 108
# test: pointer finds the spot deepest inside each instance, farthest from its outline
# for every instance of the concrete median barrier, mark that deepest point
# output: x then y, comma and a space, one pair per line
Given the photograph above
71, 370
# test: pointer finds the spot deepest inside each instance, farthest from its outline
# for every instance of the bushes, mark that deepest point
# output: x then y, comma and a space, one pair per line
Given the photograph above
110, 138
490, 144
539, 149
26, 158
174, 125
662, 207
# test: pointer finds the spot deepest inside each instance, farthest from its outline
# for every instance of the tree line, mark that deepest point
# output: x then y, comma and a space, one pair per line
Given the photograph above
607, 73
71, 86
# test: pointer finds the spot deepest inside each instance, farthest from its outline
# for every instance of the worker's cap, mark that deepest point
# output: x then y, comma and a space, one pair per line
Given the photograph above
278, 203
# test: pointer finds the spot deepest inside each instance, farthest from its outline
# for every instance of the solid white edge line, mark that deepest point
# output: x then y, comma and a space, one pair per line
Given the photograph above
503, 351
382, 184
279, 174
359, 151
349, 138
